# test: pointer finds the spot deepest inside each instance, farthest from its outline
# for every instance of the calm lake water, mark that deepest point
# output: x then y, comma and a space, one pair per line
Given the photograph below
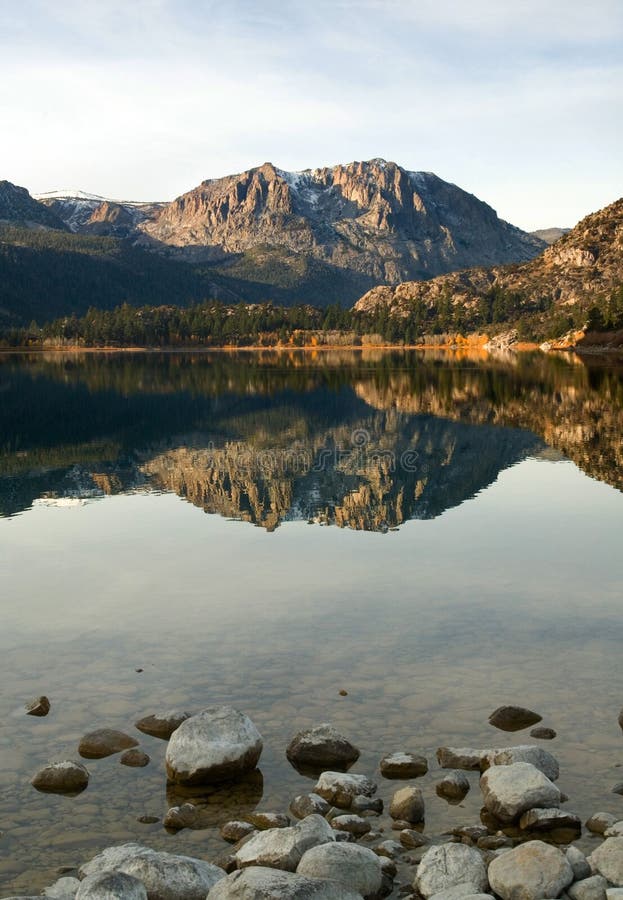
435, 535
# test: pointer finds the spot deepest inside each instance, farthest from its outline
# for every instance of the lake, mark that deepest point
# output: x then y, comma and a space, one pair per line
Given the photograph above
435, 535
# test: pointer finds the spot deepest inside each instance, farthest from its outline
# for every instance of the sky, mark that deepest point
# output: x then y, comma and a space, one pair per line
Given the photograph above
517, 101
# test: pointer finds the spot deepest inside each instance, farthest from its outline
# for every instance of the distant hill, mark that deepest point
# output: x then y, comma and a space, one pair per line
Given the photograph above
550, 235
17, 207
582, 269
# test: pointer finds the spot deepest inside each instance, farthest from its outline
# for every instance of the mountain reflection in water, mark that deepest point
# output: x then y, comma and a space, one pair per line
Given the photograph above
359, 440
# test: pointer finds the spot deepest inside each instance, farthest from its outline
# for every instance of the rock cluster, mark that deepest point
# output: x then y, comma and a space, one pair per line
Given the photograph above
322, 855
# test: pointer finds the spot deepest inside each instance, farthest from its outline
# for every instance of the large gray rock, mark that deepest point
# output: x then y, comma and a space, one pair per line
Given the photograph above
166, 876
218, 744
508, 791
356, 868
111, 886
447, 865
459, 757
532, 871
339, 788
257, 883
321, 747
513, 718
528, 753
65, 777
593, 888
607, 860
105, 742
283, 848
162, 725
407, 805
615, 830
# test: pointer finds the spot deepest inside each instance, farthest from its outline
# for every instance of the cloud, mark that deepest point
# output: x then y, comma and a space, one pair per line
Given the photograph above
520, 103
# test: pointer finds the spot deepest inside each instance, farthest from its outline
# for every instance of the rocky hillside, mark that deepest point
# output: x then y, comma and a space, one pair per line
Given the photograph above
582, 268
373, 218
17, 207
86, 213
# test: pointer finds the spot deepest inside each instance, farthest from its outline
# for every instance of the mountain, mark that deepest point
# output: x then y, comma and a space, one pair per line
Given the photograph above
583, 268
17, 207
550, 235
372, 219
91, 214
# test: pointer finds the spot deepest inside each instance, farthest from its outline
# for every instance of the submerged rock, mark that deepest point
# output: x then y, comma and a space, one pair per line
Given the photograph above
65, 777
217, 744
135, 758
166, 876
105, 742
531, 871
509, 791
162, 725
38, 707
321, 747
178, 817
513, 718
447, 865
544, 734
259, 883
403, 765
356, 868
339, 788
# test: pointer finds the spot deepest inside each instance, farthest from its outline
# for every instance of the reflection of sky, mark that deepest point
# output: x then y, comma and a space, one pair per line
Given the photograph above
543, 533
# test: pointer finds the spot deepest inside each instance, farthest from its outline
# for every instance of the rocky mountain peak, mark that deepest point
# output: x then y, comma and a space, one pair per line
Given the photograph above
373, 219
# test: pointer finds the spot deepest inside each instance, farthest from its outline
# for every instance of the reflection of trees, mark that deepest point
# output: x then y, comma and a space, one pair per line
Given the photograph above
242, 435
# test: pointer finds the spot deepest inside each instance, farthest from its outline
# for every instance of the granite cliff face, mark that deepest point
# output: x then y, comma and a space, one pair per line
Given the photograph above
373, 218
582, 266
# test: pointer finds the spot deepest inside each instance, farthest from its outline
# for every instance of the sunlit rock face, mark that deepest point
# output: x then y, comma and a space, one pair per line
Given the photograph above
374, 218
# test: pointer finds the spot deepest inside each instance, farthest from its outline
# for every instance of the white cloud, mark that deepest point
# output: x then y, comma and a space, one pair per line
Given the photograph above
520, 103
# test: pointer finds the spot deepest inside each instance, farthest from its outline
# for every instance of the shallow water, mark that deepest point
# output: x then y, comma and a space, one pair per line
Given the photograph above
501, 584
